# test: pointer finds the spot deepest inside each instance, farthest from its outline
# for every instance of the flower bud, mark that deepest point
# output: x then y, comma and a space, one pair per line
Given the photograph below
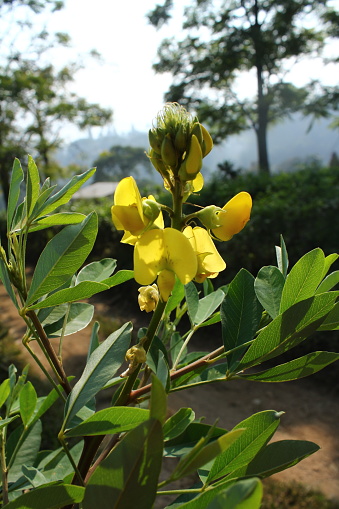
148, 297
210, 217
197, 131
151, 209
180, 141
193, 162
154, 141
207, 143
168, 153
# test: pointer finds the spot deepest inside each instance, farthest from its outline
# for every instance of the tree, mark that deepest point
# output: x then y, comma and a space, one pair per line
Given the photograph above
227, 39
35, 100
119, 162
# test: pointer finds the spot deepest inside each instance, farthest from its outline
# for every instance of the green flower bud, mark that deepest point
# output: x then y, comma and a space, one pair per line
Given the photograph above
209, 216
151, 209
168, 153
180, 141
197, 131
154, 141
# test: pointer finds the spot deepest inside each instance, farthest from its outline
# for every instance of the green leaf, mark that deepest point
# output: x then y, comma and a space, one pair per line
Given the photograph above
240, 314
331, 321
56, 465
109, 421
278, 456
48, 497
183, 443
295, 369
62, 256
6, 422
120, 277
128, 477
63, 218
175, 347
65, 194
177, 295
198, 501
158, 402
28, 400
192, 300
328, 283
94, 340
33, 476
268, 287
207, 305
27, 452
303, 280
259, 428
97, 271
102, 365
202, 454
289, 329
4, 391
78, 317
81, 291
329, 260
246, 494
282, 257
4, 277
14, 191
33, 185
201, 376
177, 423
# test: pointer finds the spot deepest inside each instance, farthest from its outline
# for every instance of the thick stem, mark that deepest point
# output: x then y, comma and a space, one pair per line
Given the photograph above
4, 469
50, 352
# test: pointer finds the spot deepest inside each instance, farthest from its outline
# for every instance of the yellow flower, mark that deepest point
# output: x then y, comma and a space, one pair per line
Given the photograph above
164, 250
209, 260
148, 298
132, 213
234, 216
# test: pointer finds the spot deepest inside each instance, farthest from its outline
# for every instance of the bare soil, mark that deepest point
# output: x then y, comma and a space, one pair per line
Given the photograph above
311, 409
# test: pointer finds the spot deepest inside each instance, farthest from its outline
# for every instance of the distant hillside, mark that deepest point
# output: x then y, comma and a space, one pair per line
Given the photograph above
288, 143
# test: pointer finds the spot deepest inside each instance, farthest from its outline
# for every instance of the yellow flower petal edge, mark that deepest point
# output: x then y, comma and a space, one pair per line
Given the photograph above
166, 282
127, 211
210, 263
157, 250
234, 216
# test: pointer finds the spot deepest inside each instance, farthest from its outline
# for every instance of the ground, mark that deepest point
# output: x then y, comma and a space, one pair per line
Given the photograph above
311, 409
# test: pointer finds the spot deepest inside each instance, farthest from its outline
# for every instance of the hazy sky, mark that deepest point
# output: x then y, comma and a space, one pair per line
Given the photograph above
128, 44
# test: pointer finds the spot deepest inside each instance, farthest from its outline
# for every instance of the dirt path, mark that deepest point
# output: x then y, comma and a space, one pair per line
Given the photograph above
311, 411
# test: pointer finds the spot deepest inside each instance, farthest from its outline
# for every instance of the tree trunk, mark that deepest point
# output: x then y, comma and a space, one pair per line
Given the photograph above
262, 108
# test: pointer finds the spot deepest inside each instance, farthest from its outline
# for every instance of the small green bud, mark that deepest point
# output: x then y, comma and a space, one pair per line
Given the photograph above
154, 141
197, 132
180, 141
168, 153
151, 209
209, 216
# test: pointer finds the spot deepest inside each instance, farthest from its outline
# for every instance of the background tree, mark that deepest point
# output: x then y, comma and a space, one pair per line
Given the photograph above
227, 39
35, 97
119, 162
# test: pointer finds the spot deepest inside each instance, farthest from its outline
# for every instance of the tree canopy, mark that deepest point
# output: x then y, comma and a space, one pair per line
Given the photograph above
35, 97
119, 162
226, 40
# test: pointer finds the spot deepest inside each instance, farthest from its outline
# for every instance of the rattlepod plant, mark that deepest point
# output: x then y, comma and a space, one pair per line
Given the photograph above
112, 457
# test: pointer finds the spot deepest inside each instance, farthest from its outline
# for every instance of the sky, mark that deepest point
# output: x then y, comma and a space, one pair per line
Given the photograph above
125, 80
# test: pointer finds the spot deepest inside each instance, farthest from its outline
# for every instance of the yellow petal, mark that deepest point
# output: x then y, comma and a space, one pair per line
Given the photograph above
127, 218
210, 263
181, 258
234, 216
166, 281
157, 250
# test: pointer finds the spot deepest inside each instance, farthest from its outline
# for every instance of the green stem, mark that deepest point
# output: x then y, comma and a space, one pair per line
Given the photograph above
70, 457
183, 346
179, 492
4, 469
177, 218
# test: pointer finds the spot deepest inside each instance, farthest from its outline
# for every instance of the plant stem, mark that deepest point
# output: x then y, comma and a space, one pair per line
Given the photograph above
50, 352
4, 469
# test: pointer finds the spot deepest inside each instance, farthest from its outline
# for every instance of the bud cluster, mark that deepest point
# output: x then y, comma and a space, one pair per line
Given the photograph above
178, 144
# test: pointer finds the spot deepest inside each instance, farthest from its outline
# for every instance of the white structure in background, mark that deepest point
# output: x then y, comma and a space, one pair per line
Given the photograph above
97, 190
